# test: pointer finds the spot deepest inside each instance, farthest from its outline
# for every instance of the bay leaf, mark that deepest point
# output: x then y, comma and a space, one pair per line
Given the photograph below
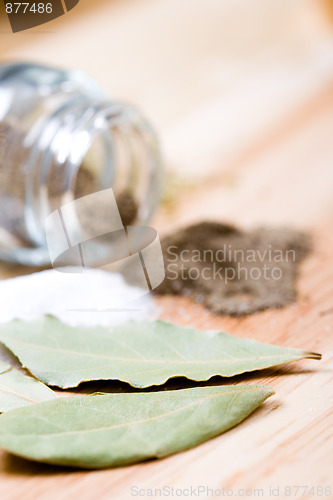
4, 367
119, 429
17, 389
142, 353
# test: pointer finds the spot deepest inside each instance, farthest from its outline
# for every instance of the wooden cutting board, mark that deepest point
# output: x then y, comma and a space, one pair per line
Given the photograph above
282, 176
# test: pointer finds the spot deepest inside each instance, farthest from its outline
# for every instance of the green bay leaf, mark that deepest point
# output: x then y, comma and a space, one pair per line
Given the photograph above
4, 367
119, 429
141, 353
17, 389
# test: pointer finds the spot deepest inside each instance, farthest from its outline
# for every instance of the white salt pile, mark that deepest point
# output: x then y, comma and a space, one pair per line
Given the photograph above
96, 297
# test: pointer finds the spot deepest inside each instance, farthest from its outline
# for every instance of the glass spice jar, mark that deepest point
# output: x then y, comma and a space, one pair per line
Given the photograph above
61, 139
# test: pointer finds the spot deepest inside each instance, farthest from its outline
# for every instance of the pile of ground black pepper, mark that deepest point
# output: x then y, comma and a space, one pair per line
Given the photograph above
231, 271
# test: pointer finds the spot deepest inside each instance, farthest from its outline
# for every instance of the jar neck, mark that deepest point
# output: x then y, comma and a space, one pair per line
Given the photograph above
87, 146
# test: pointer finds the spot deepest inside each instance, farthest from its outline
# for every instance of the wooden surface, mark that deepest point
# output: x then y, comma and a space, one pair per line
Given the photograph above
280, 173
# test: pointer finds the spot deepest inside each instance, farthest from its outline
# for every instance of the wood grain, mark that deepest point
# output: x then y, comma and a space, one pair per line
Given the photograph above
282, 176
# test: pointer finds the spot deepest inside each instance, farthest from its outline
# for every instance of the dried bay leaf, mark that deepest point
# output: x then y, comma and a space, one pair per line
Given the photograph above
4, 367
17, 389
141, 353
119, 429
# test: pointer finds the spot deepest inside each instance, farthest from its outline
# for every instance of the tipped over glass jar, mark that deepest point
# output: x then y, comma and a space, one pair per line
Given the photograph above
62, 139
